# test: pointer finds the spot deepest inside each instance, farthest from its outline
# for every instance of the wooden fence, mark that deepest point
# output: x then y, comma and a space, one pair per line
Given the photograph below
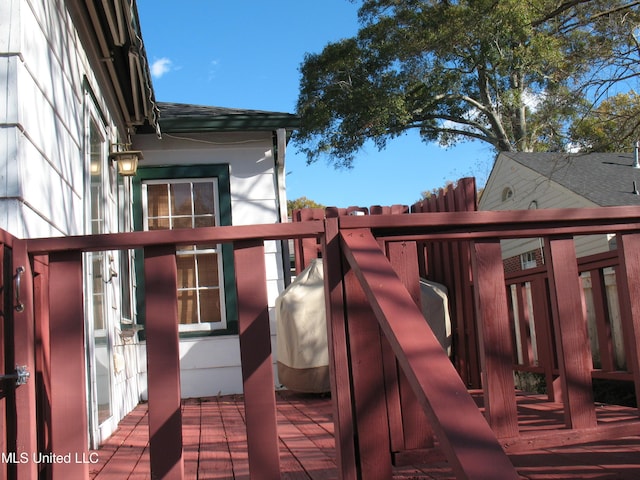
444, 262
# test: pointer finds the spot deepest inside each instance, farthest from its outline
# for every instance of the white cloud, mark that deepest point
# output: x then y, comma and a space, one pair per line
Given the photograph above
160, 67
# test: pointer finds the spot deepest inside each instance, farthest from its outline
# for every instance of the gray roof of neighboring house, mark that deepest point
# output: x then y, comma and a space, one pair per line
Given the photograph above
604, 178
180, 117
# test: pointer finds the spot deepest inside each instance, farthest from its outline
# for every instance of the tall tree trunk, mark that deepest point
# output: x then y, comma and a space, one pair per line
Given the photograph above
502, 141
519, 113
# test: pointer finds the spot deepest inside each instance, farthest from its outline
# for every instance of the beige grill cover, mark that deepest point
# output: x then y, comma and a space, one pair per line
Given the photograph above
303, 358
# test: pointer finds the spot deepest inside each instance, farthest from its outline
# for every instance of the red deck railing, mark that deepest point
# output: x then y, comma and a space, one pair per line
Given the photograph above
531, 313
370, 281
485, 230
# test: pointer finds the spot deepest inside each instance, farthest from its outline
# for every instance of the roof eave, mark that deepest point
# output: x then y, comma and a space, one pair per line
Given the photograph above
229, 123
114, 30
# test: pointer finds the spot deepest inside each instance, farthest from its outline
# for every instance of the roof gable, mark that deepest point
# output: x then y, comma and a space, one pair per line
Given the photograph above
607, 179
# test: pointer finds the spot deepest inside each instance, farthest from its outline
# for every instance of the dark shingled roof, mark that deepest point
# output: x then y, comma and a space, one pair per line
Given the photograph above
604, 178
185, 118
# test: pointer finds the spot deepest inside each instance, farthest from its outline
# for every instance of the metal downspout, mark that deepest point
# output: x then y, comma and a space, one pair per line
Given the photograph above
281, 196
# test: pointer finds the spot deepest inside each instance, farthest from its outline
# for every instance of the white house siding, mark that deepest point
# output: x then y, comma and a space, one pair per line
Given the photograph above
211, 365
43, 117
45, 80
529, 186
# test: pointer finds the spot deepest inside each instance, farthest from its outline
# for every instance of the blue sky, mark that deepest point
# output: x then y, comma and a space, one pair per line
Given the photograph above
247, 53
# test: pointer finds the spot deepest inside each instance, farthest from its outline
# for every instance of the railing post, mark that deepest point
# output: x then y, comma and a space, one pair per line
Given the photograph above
256, 359
41, 308
5, 348
572, 341
23, 354
496, 352
368, 382
306, 248
467, 201
341, 392
629, 283
163, 363
544, 337
524, 325
417, 432
603, 319
69, 424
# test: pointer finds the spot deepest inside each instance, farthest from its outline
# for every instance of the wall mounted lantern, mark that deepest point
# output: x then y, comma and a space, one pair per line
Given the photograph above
127, 161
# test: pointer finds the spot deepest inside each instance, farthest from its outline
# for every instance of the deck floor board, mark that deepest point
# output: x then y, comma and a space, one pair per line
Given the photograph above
215, 445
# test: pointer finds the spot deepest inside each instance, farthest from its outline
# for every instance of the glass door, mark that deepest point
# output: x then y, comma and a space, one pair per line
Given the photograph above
99, 272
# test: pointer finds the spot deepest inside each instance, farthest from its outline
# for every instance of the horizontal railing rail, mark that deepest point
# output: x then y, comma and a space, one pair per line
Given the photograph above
505, 224
186, 236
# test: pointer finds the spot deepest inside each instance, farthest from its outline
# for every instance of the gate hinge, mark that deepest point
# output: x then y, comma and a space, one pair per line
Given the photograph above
20, 376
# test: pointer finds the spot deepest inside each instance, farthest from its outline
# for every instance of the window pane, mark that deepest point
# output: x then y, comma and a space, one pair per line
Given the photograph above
125, 284
98, 291
182, 222
188, 306
96, 206
181, 199
97, 191
186, 271
208, 270
210, 305
158, 201
208, 221
203, 198
158, 224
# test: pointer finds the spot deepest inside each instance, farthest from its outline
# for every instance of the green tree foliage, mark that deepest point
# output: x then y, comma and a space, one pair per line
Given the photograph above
301, 202
614, 126
512, 73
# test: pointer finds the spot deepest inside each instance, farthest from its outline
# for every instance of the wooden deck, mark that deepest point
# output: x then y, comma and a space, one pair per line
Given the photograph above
215, 445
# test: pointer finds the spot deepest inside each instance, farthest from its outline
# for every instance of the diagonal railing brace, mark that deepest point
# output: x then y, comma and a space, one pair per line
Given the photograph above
464, 435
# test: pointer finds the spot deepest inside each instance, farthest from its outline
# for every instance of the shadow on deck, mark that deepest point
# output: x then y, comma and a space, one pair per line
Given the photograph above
215, 445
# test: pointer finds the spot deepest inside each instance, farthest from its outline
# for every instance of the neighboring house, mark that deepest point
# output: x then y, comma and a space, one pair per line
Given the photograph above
74, 88
520, 181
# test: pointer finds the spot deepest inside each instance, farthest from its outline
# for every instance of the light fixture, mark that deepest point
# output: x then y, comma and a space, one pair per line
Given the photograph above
95, 168
127, 161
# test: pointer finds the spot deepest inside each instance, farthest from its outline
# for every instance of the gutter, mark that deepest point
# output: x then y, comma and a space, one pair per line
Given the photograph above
111, 29
281, 195
229, 123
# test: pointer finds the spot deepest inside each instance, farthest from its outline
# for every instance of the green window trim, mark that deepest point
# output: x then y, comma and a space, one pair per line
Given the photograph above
221, 172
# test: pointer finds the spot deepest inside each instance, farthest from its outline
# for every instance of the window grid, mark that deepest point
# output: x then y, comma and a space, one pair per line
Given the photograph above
191, 204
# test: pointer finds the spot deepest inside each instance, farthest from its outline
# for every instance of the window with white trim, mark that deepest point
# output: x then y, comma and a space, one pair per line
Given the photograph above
126, 257
528, 260
190, 203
